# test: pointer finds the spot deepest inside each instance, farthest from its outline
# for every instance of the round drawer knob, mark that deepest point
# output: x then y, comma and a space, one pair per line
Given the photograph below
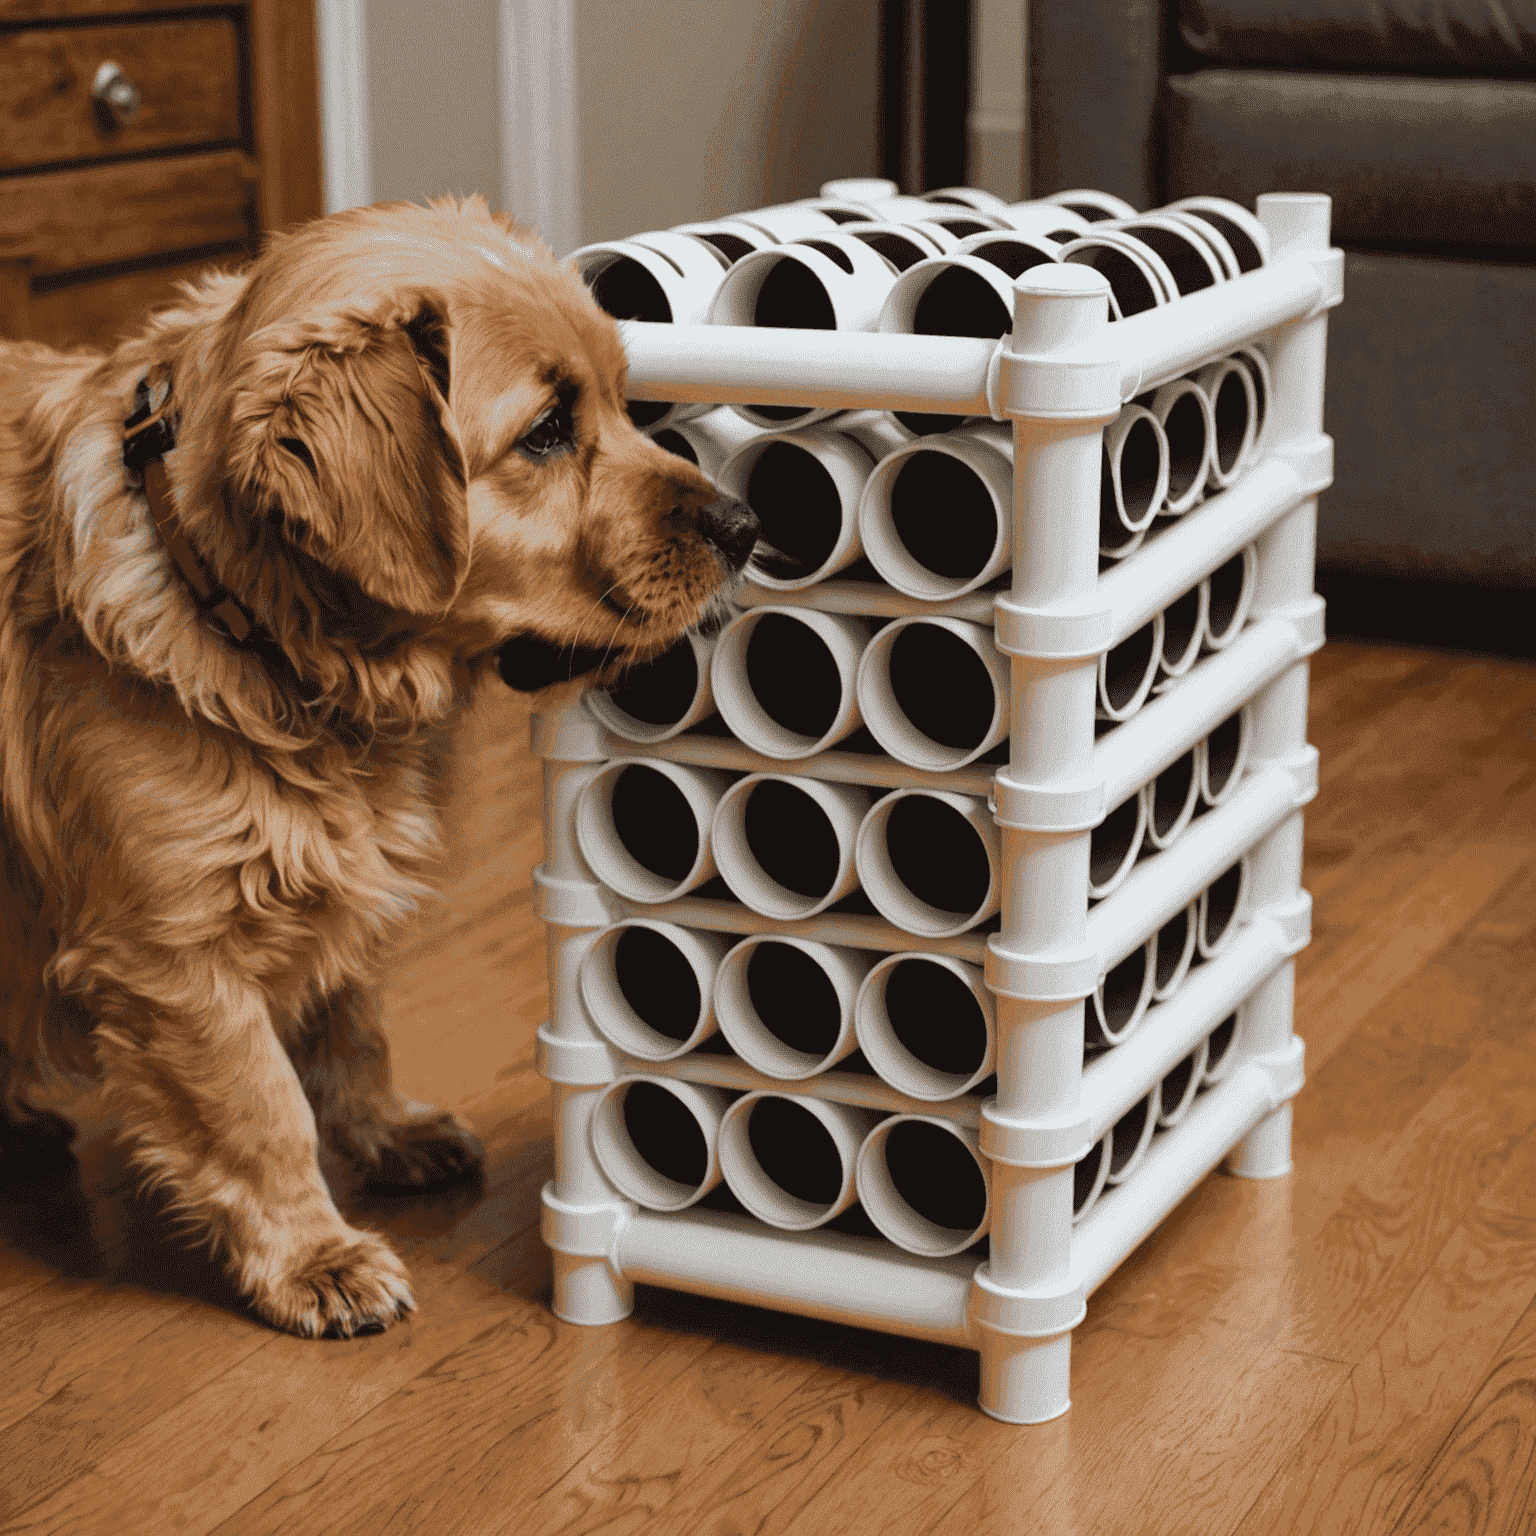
116, 93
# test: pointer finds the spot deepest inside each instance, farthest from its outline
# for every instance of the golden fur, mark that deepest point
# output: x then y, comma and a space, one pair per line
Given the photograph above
202, 855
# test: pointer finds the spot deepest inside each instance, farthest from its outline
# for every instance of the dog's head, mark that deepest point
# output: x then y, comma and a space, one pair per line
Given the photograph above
430, 411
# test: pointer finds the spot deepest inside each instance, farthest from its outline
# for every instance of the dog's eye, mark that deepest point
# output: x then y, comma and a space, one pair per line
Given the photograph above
553, 431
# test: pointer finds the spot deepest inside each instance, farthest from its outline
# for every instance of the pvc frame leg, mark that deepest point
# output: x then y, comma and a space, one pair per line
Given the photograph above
1024, 1380
588, 1292
1265, 1152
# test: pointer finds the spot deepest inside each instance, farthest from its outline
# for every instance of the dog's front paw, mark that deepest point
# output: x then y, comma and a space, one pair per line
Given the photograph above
344, 1287
430, 1150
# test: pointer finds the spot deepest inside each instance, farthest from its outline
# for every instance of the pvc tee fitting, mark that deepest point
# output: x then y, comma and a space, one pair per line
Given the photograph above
927, 1025
648, 986
923, 1183
657, 1139
930, 861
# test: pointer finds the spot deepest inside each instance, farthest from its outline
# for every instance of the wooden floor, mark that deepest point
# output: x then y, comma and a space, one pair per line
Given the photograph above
1349, 1349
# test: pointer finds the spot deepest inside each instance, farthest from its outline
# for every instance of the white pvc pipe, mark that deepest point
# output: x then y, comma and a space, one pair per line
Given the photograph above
861, 187
1221, 910
1128, 670
707, 440
877, 432
1185, 414
785, 221
634, 849
927, 1025
1135, 479
1176, 1091
927, 554
1088, 1178
1139, 278
802, 830
660, 698
966, 197
903, 245
1175, 950
632, 999
785, 678
1171, 800
1223, 756
828, 281
732, 238
1121, 999
1229, 596
643, 1146
1191, 262
1053, 221
1115, 844
1130, 1137
907, 210
1183, 631
1093, 206
807, 991
1222, 1052
934, 692
900, 1164
1254, 360
787, 1175
1239, 226
1229, 386
805, 488
1216, 242
1012, 251
908, 856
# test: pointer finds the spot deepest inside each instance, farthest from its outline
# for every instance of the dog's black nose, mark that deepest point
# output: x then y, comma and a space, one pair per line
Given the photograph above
732, 527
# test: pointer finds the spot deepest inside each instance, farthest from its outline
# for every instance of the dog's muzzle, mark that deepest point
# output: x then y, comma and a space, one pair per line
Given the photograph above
731, 529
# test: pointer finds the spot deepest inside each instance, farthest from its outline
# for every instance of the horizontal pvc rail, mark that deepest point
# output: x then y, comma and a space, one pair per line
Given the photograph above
863, 1282
1115, 1080
923, 1181
861, 370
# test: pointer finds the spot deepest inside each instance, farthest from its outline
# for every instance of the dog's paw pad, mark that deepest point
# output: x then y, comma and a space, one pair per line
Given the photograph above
432, 1152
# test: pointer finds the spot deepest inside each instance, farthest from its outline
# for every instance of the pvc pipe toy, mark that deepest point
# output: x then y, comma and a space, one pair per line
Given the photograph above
1139, 279
1184, 412
1080, 1023
786, 1005
922, 1181
1093, 206
643, 825
791, 1159
1192, 261
649, 987
1134, 483
926, 1024
708, 440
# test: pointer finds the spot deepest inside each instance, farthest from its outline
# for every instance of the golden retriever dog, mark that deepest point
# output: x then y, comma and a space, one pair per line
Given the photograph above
391, 449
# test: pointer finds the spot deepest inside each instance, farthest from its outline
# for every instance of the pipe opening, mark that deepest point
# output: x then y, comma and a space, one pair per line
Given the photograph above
794, 998
793, 675
660, 691
1133, 288
1177, 1089
798, 507
665, 1134
1231, 409
1226, 584
657, 982
1127, 670
1091, 212
1185, 430
943, 514
942, 686
1218, 1048
1175, 949
959, 302
937, 855
1115, 842
1012, 256
628, 292
791, 838
1181, 632
960, 227
897, 249
1219, 907
654, 822
935, 1173
834, 252
1190, 271
674, 442
1088, 1175
936, 1018
1128, 1139
732, 247
1121, 998
791, 296
1249, 257
1173, 797
795, 1151
1223, 755
1141, 463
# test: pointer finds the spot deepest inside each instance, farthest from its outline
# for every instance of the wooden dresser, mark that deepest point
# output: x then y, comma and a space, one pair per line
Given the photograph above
140, 141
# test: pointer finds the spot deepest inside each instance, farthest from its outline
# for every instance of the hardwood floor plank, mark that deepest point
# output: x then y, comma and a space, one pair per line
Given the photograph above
1363, 1457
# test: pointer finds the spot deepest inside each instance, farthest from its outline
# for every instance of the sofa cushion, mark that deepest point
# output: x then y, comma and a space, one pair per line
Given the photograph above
1406, 161
1426, 37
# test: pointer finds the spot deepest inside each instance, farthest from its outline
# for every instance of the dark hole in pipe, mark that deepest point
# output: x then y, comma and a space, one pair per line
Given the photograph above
791, 296
674, 442
1126, 1136
1085, 1174
1140, 460
1062, 236
1220, 1042
897, 249
1247, 253
1127, 665
732, 247
657, 982
943, 515
1231, 408
942, 686
646, 413
1122, 992
1089, 211
1113, 842
1226, 587
659, 691
1012, 256
1221, 904
832, 252
945, 200
628, 292
793, 675
1132, 287
1190, 272
1170, 792
1171, 940
1221, 749
793, 997
1184, 428
842, 216
798, 508
1176, 1084
959, 302
960, 226
791, 838
655, 822
1179, 620
665, 1134
934, 1172
795, 1150
937, 854
936, 1017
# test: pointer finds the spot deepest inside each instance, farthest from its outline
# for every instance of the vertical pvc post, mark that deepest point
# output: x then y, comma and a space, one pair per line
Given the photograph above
1024, 1305
1297, 224
582, 1211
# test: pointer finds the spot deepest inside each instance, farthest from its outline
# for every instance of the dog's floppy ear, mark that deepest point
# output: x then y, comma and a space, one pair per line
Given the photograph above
342, 427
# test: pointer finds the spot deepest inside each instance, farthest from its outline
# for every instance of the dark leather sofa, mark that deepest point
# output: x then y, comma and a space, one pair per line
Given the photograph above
1418, 117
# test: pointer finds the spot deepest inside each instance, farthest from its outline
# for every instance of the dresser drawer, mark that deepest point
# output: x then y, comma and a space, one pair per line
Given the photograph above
187, 72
